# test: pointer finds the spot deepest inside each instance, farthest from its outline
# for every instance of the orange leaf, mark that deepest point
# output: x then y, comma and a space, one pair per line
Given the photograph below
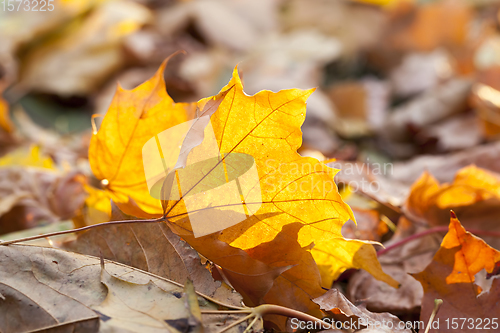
471, 189
450, 277
5, 122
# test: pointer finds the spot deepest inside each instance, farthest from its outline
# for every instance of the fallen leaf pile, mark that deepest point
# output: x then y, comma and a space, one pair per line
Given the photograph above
311, 193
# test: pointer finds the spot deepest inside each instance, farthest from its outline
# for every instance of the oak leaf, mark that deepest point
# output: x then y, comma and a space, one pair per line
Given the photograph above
451, 276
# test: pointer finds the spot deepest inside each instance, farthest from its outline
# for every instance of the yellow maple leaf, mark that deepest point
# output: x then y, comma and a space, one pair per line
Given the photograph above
115, 151
27, 157
293, 188
97, 207
263, 131
232, 168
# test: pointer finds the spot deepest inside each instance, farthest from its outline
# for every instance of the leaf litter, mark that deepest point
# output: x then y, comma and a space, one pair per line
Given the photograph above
424, 102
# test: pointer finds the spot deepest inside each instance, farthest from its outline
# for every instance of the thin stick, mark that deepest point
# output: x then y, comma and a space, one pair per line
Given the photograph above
437, 305
249, 310
287, 312
251, 324
64, 232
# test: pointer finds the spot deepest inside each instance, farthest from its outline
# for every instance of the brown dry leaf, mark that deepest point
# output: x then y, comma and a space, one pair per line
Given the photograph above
152, 247
360, 106
233, 25
444, 167
456, 133
31, 294
32, 191
342, 309
264, 275
68, 291
451, 276
357, 27
379, 297
299, 283
139, 307
411, 257
115, 150
368, 225
251, 277
445, 100
420, 71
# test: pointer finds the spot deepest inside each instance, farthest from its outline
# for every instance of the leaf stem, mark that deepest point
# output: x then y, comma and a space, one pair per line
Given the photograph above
264, 309
237, 323
431, 231
437, 304
57, 233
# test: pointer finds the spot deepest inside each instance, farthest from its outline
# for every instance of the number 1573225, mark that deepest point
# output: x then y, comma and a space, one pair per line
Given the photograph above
27, 5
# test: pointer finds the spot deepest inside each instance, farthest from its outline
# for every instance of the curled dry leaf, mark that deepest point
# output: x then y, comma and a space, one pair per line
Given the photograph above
53, 290
379, 297
451, 277
342, 309
30, 185
368, 225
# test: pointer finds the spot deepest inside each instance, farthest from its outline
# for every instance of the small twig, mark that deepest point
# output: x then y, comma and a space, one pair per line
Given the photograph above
258, 312
249, 310
237, 323
57, 233
431, 231
437, 305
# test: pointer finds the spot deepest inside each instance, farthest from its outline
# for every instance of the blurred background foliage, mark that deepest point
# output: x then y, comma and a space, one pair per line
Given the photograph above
396, 79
